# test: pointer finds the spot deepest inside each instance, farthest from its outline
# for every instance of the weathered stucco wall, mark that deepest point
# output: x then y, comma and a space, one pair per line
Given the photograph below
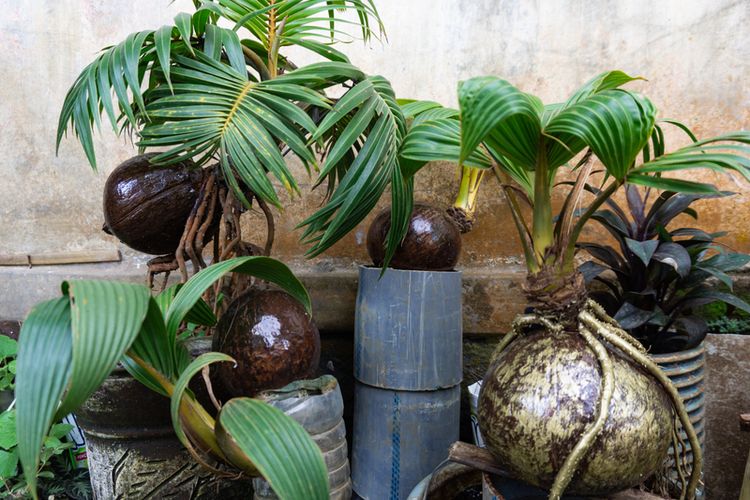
694, 53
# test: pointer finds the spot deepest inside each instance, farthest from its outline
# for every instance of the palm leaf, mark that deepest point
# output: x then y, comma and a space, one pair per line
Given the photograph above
615, 124
76, 340
264, 268
278, 446
121, 69
374, 130
106, 318
492, 106
45, 348
725, 153
311, 21
215, 109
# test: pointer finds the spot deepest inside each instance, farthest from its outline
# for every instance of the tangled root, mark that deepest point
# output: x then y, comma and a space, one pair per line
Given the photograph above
596, 327
215, 217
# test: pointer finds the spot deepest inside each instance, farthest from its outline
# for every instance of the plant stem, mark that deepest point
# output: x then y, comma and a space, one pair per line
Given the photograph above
199, 424
257, 63
542, 229
567, 262
515, 211
272, 58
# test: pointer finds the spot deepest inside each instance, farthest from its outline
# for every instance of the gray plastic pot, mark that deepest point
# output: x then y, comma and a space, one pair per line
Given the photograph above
408, 370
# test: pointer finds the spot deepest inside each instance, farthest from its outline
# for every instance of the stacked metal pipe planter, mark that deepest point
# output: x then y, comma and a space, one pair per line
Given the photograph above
407, 367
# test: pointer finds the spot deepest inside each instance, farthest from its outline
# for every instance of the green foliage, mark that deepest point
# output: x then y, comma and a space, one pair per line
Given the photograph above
659, 277
8, 351
54, 465
228, 95
69, 345
529, 142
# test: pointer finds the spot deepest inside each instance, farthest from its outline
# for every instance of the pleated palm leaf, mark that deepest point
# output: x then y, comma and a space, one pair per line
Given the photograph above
69, 345
229, 96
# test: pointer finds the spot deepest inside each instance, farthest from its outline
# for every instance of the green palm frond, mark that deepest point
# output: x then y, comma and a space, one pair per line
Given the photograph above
308, 23
119, 72
216, 110
376, 127
492, 106
615, 124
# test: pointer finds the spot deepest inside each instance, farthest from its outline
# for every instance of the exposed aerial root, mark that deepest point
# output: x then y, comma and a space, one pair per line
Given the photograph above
214, 217
595, 326
569, 467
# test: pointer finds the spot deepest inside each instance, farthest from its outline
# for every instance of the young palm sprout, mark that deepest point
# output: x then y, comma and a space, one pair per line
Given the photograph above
568, 346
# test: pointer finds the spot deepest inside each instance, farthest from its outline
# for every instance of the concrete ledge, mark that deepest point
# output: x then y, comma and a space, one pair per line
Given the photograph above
491, 296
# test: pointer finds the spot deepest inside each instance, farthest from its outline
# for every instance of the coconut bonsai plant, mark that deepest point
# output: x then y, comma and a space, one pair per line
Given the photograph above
228, 102
68, 346
559, 402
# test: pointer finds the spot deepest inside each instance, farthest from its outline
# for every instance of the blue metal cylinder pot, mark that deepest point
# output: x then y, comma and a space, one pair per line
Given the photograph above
408, 367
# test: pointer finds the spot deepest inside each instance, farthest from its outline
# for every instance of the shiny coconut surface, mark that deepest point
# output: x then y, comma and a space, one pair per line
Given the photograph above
273, 340
146, 206
432, 243
541, 394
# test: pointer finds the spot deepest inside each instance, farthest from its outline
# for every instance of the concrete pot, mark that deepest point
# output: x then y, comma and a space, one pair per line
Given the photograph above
407, 370
132, 449
687, 371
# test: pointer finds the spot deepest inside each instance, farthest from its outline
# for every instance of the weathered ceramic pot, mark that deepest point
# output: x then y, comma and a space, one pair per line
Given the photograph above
543, 392
447, 482
133, 451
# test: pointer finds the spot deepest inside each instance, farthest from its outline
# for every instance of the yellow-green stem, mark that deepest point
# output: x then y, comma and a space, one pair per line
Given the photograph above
542, 231
272, 55
471, 179
197, 421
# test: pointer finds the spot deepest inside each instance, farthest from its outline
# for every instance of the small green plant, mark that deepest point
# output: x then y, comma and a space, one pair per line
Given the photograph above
54, 470
659, 277
69, 345
8, 351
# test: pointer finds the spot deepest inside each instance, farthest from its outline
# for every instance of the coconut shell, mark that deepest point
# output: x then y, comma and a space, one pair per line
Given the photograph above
147, 206
432, 242
273, 340
542, 393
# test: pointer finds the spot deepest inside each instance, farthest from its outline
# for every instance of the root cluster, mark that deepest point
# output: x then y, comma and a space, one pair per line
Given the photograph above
598, 329
215, 218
